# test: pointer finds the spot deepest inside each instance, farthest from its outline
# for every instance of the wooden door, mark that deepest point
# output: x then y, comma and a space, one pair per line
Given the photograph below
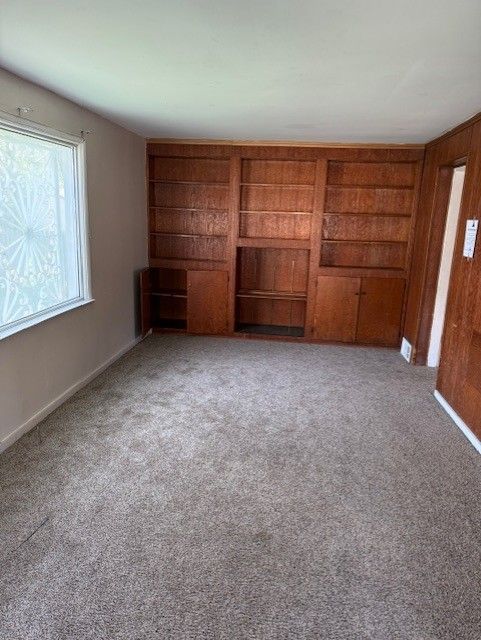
336, 308
380, 311
145, 301
207, 302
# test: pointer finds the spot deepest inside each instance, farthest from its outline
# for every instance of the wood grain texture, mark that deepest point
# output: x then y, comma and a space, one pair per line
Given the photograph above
168, 279
189, 196
275, 217
369, 200
460, 351
188, 264
275, 225
188, 247
379, 255
473, 369
429, 230
186, 221
361, 272
449, 135
348, 153
273, 243
207, 302
336, 309
278, 172
366, 227
270, 311
431, 266
234, 221
371, 174
189, 170
281, 270
276, 198
315, 248
380, 311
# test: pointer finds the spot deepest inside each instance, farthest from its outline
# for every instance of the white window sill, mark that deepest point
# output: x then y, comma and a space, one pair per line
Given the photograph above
31, 321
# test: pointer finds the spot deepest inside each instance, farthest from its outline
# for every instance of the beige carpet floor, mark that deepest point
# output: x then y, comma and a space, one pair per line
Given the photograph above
207, 488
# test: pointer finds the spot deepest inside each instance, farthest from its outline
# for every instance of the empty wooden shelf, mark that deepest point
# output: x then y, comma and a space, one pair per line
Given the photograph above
309, 243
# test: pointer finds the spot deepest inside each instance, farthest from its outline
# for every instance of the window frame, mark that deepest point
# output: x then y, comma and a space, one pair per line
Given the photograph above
77, 144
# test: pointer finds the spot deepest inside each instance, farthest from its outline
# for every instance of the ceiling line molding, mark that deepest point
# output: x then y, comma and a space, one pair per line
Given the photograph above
285, 143
457, 129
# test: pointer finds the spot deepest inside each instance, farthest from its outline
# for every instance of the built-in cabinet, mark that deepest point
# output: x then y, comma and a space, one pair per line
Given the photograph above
363, 310
207, 302
336, 311
196, 302
310, 243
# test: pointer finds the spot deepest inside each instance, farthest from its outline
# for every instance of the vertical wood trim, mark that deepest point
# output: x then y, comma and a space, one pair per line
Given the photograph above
432, 261
147, 201
410, 247
359, 302
315, 246
233, 236
145, 301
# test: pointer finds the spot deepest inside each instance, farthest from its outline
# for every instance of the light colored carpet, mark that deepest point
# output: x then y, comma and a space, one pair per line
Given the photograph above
207, 488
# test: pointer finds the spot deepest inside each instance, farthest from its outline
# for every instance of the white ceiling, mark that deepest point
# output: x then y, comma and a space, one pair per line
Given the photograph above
324, 70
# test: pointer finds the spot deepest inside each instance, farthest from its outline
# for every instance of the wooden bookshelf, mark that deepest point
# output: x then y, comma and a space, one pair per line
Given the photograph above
307, 242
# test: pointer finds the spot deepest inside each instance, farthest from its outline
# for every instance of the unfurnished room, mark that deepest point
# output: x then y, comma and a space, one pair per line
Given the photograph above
240, 320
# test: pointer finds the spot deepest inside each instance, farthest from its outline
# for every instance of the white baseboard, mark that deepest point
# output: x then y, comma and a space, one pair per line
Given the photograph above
17, 433
458, 421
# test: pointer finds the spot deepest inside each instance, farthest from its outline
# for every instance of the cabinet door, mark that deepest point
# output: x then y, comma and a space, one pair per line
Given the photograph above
207, 302
380, 311
145, 297
335, 315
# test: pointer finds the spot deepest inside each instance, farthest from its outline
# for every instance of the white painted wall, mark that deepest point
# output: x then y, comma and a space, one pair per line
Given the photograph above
256, 69
445, 267
40, 366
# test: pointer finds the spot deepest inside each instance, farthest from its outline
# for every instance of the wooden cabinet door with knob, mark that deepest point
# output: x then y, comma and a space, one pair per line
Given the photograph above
207, 302
336, 309
380, 311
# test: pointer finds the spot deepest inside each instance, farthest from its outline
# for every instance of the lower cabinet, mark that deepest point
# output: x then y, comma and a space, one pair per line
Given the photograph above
380, 311
207, 302
336, 310
178, 299
366, 310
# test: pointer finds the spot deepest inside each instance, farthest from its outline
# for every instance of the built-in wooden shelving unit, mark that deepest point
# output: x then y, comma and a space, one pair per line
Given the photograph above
311, 242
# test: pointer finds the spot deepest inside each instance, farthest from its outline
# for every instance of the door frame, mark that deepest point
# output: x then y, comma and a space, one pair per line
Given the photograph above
432, 260
456, 230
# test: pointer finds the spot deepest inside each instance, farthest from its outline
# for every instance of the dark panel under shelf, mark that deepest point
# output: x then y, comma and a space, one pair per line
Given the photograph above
170, 323
271, 330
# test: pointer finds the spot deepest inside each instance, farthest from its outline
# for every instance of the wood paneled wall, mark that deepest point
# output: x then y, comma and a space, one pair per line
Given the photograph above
459, 377
279, 219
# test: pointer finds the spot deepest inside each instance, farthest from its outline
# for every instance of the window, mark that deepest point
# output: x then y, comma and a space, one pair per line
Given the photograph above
44, 266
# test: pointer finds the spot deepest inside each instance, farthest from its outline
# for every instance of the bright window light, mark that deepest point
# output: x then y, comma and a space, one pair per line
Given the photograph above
44, 267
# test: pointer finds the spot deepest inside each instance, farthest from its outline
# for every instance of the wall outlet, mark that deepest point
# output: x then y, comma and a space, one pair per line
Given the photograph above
406, 350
